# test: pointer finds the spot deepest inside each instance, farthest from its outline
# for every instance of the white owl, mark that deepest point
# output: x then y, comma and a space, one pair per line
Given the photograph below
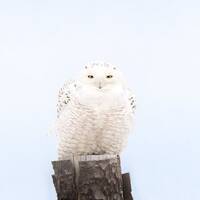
95, 112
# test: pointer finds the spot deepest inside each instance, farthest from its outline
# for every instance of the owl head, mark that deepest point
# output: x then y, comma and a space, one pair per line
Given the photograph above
102, 76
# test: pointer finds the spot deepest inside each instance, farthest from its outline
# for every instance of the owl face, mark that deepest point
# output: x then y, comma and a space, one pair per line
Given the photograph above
101, 76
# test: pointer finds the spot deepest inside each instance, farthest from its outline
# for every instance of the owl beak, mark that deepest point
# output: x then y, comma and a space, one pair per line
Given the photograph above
100, 86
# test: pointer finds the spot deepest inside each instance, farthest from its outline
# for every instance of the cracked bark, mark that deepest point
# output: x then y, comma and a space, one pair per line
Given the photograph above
64, 180
97, 180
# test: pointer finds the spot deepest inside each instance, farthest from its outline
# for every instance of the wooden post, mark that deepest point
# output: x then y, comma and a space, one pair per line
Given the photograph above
64, 180
97, 179
127, 186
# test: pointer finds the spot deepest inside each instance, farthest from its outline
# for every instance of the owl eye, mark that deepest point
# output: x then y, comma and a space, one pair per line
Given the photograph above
109, 76
90, 76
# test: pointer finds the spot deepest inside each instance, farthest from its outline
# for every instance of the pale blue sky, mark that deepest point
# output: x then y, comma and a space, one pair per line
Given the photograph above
156, 44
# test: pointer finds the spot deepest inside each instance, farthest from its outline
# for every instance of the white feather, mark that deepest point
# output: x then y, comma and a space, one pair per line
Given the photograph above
92, 120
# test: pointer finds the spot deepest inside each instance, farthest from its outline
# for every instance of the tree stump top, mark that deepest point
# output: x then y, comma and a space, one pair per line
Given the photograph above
91, 179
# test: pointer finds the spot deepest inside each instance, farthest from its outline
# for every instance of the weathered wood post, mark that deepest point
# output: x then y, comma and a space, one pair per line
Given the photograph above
99, 178
64, 180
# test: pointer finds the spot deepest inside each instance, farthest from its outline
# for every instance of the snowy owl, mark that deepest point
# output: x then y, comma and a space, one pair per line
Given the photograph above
95, 112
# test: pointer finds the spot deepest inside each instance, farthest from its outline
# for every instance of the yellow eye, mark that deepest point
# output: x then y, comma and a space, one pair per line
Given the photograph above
109, 76
90, 76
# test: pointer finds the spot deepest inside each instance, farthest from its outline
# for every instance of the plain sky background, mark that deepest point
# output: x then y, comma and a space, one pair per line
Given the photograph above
157, 46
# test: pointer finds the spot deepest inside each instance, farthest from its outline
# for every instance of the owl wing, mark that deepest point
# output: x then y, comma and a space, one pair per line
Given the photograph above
132, 100
64, 95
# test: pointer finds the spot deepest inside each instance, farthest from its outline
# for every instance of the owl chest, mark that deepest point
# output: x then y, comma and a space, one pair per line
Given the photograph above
99, 118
